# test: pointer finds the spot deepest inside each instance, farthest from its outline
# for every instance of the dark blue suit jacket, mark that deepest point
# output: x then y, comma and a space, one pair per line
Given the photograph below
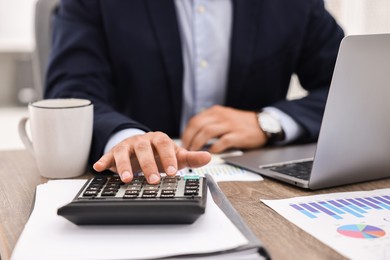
125, 55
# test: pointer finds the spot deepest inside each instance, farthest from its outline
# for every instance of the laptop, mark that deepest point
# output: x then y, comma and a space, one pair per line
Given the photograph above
354, 141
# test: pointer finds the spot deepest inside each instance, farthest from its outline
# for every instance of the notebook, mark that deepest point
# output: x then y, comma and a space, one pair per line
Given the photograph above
354, 141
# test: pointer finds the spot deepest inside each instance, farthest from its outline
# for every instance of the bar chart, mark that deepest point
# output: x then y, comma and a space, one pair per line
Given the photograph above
337, 208
356, 224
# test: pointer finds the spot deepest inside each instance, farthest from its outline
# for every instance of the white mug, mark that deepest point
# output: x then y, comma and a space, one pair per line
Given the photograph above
61, 133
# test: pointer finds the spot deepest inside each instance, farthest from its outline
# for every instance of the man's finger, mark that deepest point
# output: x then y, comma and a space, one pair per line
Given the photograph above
225, 142
205, 134
166, 150
146, 159
122, 162
104, 163
192, 159
193, 126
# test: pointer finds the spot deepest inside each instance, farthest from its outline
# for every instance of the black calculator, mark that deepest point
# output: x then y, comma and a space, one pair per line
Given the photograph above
106, 200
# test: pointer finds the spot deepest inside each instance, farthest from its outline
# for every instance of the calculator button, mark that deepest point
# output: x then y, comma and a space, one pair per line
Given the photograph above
133, 188
93, 188
110, 189
167, 196
190, 183
136, 184
119, 182
130, 196
169, 183
99, 181
114, 185
170, 180
128, 192
151, 185
149, 195
90, 193
190, 192
108, 193
150, 192
96, 185
151, 188
191, 187
138, 180
191, 178
169, 188
167, 191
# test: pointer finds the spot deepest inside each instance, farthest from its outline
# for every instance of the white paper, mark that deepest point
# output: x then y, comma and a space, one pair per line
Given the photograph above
357, 230
49, 236
221, 171
224, 172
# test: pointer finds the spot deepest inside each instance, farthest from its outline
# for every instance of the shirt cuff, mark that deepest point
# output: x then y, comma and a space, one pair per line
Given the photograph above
292, 130
121, 135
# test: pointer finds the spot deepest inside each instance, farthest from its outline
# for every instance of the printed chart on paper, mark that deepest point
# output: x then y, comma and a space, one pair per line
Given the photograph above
356, 224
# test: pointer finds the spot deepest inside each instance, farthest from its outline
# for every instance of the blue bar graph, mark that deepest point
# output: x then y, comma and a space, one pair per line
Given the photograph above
343, 207
352, 206
308, 208
368, 203
329, 206
358, 204
346, 209
303, 211
326, 211
383, 200
379, 203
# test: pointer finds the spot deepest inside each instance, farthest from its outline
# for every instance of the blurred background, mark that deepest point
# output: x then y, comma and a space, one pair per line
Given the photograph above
17, 44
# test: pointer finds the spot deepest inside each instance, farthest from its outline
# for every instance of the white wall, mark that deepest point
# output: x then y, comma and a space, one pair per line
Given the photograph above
16, 25
361, 16
355, 17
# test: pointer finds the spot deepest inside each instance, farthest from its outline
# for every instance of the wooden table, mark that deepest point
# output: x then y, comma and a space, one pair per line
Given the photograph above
283, 240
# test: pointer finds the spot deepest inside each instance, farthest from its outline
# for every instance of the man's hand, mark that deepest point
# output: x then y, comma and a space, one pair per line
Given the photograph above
151, 153
234, 129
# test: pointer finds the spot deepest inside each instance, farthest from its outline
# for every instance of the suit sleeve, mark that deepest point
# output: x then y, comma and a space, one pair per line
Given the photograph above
79, 67
315, 69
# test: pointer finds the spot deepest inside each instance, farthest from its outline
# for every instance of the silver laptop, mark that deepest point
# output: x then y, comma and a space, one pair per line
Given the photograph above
354, 141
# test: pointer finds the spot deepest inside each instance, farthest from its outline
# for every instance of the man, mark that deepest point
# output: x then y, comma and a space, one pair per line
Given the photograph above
200, 69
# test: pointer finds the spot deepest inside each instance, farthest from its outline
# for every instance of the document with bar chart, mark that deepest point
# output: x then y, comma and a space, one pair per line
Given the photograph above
356, 224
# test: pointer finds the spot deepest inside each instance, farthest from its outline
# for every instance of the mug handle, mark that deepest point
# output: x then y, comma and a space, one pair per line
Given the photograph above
23, 135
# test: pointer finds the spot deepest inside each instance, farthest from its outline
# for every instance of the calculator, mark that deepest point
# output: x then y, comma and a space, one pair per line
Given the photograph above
106, 200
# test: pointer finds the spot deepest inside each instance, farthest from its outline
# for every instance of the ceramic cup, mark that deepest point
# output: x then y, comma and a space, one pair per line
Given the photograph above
61, 134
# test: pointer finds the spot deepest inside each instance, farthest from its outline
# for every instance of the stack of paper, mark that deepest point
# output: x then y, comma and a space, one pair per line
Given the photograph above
49, 236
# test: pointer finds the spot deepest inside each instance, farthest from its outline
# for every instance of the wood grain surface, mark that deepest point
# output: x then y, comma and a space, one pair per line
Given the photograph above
283, 240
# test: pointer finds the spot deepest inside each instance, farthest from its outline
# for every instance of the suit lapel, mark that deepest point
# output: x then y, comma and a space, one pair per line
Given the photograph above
245, 14
165, 24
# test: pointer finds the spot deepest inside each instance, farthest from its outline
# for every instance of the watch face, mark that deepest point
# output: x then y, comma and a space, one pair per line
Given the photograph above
269, 124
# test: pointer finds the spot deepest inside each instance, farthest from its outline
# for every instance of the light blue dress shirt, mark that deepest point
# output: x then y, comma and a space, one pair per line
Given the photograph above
205, 30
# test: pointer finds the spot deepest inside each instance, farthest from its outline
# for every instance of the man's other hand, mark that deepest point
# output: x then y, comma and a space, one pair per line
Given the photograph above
151, 153
233, 128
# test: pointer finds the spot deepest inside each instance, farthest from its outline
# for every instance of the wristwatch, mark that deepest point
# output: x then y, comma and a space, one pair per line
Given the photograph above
271, 127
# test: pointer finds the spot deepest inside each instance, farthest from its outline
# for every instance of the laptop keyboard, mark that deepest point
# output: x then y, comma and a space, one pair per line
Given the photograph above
300, 170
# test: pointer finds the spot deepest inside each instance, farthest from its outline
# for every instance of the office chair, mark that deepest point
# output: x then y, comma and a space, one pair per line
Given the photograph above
44, 10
